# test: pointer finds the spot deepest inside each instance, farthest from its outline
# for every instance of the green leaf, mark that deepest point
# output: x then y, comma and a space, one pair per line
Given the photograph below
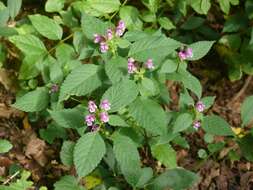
116, 120
68, 183
5, 146
52, 132
155, 47
88, 152
179, 179
200, 49
189, 81
193, 22
33, 101
91, 25
166, 23
29, 44
145, 175
201, 6
68, 118
116, 94
235, 22
129, 160
182, 122
148, 87
165, 154
14, 7
246, 110
66, 153
81, 81
246, 147
47, 27
28, 69
225, 6
116, 68
54, 5
217, 126
208, 101
6, 31
149, 115
169, 66
104, 6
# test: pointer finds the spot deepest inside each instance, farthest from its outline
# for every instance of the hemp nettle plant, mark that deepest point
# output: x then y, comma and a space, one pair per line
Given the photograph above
107, 84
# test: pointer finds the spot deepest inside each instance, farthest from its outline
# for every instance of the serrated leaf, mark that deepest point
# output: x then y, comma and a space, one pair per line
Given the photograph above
29, 44
246, 110
104, 6
183, 121
217, 126
88, 152
67, 183
155, 47
5, 146
179, 179
47, 27
91, 25
66, 153
68, 118
116, 94
81, 81
129, 161
14, 7
165, 154
201, 6
225, 6
131, 15
169, 66
166, 23
149, 115
200, 49
54, 5
116, 120
52, 132
33, 101
116, 68
208, 101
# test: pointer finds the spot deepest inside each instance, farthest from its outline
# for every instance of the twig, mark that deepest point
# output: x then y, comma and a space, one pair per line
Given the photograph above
13, 176
242, 89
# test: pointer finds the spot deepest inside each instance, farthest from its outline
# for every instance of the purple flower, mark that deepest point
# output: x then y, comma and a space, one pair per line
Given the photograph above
89, 119
104, 47
189, 53
92, 106
149, 64
131, 68
94, 128
200, 107
104, 117
196, 124
54, 88
105, 105
182, 55
120, 29
97, 38
109, 34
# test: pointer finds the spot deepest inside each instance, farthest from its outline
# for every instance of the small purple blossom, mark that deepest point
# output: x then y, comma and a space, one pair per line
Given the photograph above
109, 34
149, 64
54, 88
92, 106
94, 128
182, 55
97, 38
104, 47
104, 117
196, 125
131, 68
200, 106
105, 105
120, 29
89, 119
189, 53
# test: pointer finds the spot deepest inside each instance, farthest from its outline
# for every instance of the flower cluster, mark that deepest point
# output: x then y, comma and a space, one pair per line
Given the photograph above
104, 40
54, 88
132, 68
185, 54
199, 107
97, 114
